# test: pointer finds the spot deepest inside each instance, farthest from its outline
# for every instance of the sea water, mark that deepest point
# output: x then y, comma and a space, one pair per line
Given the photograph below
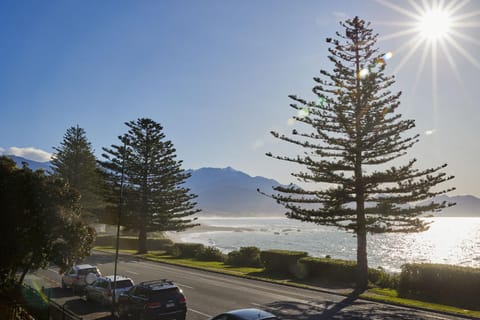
449, 240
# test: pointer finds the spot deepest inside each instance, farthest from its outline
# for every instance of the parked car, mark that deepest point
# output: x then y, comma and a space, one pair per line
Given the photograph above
245, 314
103, 288
79, 276
157, 299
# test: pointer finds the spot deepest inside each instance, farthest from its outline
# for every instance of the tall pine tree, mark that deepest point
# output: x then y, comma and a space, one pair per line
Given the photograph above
154, 199
356, 134
75, 162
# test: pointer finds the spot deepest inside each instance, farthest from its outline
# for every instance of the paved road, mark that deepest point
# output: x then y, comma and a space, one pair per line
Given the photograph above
209, 294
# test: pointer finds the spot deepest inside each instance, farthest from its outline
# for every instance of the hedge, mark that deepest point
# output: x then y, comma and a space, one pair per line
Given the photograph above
281, 261
341, 271
186, 250
441, 283
245, 257
210, 254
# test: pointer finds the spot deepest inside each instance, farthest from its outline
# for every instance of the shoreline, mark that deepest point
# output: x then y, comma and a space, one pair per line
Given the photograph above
176, 236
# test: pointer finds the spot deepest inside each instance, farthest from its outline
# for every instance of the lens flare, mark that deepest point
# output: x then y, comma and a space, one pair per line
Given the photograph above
363, 73
303, 113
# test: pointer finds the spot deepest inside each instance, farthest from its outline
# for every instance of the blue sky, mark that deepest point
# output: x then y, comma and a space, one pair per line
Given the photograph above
216, 75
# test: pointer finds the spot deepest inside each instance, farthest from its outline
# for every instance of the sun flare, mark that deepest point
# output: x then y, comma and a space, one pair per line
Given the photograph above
435, 24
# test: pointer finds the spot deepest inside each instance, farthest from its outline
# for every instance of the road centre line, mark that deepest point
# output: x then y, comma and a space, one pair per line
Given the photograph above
200, 313
132, 272
184, 285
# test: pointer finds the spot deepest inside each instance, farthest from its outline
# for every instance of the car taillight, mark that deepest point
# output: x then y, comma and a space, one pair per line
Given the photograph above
153, 305
182, 299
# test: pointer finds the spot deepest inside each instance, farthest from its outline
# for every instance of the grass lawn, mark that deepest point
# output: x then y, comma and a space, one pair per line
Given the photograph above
375, 294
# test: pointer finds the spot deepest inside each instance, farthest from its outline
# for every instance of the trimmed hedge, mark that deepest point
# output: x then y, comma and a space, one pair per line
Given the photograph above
245, 257
186, 250
441, 283
281, 261
210, 254
341, 271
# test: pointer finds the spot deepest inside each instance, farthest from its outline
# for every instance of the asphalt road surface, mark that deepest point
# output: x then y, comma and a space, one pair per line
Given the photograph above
209, 294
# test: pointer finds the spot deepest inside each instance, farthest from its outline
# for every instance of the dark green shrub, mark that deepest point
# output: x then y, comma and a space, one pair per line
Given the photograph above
331, 270
245, 257
210, 254
186, 250
281, 261
342, 272
440, 283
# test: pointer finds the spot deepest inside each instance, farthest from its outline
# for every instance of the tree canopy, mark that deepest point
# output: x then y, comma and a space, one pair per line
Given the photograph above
153, 196
351, 153
75, 162
39, 223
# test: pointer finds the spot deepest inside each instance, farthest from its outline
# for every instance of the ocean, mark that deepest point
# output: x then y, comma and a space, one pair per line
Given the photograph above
449, 240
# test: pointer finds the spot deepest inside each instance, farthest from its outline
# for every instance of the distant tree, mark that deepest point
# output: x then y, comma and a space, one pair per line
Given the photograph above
154, 199
39, 223
355, 134
75, 162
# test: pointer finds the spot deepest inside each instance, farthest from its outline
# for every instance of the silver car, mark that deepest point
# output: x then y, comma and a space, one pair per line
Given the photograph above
79, 276
102, 289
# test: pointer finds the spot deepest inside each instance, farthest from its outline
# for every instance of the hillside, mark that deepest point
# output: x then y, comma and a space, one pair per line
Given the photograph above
229, 192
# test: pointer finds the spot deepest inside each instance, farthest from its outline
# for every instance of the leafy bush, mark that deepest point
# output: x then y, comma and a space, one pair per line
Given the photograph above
210, 254
342, 271
186, 250
281, 261
245, 257
440, 283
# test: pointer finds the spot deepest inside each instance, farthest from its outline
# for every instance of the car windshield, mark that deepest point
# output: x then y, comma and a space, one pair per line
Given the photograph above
160, 295
124, 284
87, 271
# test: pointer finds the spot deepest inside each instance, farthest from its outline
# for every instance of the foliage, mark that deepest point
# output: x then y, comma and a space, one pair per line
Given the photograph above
453, 285
145, 165
75, 162
186, 250
210, 254
245, 257
281, 261
355, 134
39, 223
342, 271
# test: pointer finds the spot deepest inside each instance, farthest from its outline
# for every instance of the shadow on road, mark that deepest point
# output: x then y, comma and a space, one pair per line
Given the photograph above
348, 308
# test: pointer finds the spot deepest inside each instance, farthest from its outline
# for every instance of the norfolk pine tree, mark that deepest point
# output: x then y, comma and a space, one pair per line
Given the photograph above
75, 162
154, 199
356, 134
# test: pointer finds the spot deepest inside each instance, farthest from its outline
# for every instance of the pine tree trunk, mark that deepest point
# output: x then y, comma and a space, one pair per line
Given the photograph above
362, 263
142, 240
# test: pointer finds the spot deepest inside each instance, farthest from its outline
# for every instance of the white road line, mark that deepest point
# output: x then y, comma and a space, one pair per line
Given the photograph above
201, 313
184, 285
52, 270
136, 273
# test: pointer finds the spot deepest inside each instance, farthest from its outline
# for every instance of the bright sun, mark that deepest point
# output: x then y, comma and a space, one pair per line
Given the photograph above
434, 24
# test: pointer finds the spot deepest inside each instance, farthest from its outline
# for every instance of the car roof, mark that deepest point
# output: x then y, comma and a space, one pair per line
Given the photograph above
159, 284
251, 314
83, 266
110, 278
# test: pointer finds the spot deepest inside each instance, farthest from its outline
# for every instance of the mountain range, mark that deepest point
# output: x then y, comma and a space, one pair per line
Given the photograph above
229, 192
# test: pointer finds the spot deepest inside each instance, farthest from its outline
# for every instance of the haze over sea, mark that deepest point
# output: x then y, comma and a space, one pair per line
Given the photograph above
449, 240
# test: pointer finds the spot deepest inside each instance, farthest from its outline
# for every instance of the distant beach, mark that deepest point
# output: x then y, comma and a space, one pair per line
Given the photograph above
202, 228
